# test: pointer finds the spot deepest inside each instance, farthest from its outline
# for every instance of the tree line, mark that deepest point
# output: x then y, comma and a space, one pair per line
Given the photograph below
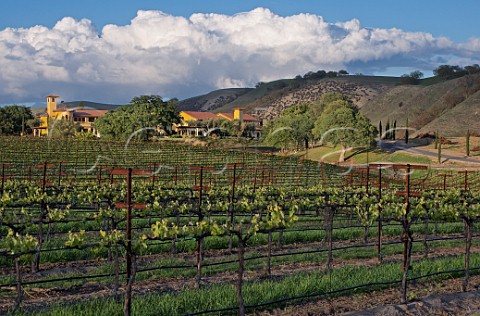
446, 72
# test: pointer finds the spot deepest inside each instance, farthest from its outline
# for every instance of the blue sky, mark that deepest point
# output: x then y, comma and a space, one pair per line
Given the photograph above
457, 20
112, 50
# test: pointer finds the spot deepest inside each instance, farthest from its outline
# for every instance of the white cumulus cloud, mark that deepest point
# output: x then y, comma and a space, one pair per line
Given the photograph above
174, 56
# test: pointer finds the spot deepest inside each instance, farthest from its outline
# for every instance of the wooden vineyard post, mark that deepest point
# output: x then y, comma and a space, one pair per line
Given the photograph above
379, 185
407, 234
129, 224
465, 179
30, 173
307, 176
99, 175
200, 238
59, 173
328, 225
379, 199
255, 181
130, 256
444, 175
233, 180
175, 171
36, 261
232, 205
3, 177
365, 181
154, 174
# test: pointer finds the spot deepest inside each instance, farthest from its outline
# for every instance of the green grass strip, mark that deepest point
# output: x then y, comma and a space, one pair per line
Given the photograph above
223, 296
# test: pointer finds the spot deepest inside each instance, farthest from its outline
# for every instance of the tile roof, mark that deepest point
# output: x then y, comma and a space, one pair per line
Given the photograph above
201, 115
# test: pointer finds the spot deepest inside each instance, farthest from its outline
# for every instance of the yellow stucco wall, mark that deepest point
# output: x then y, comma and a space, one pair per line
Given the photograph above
186, 117
237, 114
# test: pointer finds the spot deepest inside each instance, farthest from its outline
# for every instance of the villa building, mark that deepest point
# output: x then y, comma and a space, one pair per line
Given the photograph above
195, 123
85, 118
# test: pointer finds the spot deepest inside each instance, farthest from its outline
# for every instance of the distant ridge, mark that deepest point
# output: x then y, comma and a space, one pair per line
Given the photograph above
89, 104
39, 108
212, 100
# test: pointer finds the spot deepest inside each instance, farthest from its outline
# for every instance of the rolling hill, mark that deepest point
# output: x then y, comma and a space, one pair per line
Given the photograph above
450, 107
212, 100
78, 104
269, 99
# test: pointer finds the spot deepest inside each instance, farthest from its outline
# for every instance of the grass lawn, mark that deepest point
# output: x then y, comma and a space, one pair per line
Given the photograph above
331, 154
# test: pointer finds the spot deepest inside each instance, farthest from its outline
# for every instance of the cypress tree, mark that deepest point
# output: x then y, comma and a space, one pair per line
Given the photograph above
439, 152
387, 130
406, 133
380, 130
467, 140
394, 133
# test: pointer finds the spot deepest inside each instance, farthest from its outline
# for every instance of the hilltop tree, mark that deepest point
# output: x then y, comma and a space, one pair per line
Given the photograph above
449, 72
472, 69
411, 78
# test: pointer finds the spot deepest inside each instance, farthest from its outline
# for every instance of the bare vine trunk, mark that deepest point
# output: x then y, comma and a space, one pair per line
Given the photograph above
116, 268
18, 272
425, 238
269, 255
241, 268
329, 237
36, 260
406, 266
279, 240
127, 307
199, 254
468, 244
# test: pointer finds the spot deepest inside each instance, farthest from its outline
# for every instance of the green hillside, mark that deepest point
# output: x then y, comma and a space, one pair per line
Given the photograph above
448, 106
263, 93
456, 121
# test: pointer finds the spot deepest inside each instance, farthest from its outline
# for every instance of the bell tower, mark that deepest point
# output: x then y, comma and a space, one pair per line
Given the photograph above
238, 114
51, 105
